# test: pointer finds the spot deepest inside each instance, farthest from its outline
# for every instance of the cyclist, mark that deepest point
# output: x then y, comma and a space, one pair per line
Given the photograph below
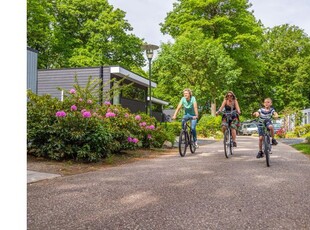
265, 115
188, 101
230, 103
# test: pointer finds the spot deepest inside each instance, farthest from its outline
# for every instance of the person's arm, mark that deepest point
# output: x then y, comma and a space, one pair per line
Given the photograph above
221, 108
176, 111
196, 110
256, 114
237, 106
275, 114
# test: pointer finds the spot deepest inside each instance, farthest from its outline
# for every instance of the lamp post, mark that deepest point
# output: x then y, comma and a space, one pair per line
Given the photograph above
149, 50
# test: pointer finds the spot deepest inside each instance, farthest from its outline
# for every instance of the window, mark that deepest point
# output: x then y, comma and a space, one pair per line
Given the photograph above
134, 93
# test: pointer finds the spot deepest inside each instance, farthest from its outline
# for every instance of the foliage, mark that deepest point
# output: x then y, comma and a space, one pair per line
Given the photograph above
195, 62
71, 33
286, 53
233, 26
81, 129
209, 126
172, 130
302, 130
290, 135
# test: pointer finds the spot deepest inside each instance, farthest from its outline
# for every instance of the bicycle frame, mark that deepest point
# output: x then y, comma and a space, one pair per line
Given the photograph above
186, 139
266, 144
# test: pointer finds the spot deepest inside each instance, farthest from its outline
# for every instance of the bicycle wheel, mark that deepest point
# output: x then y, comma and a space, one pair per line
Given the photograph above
182, 143
227, 143
192, 146
231, 146
266, 147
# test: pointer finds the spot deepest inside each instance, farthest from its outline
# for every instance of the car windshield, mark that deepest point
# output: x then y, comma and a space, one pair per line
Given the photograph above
277, 125
252, 126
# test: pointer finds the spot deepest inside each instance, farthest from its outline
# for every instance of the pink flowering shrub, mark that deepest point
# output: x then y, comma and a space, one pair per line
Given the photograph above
81, 129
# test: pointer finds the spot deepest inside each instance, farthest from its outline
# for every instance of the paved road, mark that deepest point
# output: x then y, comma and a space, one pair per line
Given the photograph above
200, 191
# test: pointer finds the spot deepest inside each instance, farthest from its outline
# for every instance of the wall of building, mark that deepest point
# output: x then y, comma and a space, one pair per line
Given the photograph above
32, 69
50, 80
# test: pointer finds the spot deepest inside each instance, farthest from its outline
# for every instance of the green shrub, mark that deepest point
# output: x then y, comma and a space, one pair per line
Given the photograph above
290, 135
307, 136
209, 126
302, 130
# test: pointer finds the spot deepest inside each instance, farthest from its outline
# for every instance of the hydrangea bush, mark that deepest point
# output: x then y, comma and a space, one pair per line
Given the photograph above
80, 128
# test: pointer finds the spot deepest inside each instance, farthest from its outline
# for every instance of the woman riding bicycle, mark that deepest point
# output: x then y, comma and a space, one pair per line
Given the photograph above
230, 104
191, 111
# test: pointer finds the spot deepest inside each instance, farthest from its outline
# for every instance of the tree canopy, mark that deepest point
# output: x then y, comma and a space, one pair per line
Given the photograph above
70, 33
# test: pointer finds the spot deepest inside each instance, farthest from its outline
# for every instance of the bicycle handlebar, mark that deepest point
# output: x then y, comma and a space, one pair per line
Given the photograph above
228, 113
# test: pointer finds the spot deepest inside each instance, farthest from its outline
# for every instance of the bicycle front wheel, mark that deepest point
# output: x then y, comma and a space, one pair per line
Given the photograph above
192, 146
182, 143
226, 143
266, 146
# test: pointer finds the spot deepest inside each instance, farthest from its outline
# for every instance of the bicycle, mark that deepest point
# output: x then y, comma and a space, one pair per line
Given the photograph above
186, 139
228, 141
266, 138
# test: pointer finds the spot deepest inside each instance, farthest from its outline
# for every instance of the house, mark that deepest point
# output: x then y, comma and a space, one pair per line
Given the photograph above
306, 116
134, 97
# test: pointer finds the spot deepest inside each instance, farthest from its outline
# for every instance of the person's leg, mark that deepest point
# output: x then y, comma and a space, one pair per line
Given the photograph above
223, 124
260, 142
193, 126
233, 131
185, 118
274, 142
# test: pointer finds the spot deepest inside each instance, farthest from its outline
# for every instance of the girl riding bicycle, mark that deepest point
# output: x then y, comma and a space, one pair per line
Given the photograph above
230, 104
191, 111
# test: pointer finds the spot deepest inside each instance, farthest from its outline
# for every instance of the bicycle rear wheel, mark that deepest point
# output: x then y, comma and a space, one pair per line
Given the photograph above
182, 143
266, 147
226, 143
192, 146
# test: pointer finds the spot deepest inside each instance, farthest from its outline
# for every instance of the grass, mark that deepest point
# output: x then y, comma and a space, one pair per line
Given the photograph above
303, 147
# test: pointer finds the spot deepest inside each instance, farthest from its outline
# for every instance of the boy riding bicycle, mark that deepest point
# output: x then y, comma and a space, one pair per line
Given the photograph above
191, 111
265, 114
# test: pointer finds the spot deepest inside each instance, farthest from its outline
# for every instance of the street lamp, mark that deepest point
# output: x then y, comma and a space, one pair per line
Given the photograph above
149, 50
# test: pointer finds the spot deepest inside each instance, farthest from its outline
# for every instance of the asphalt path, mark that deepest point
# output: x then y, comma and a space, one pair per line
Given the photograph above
199, 191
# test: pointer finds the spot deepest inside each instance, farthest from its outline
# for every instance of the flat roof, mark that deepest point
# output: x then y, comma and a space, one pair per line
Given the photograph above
158, 101
119, 71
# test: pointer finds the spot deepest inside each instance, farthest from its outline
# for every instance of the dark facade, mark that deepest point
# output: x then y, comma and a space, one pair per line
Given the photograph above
134, 97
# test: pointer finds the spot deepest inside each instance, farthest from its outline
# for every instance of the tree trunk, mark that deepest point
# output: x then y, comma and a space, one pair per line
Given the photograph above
213, 107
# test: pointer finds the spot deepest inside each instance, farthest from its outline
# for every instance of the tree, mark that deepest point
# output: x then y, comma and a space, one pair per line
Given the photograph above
84, 33
40, 36
232, 25
195, 62
286, 53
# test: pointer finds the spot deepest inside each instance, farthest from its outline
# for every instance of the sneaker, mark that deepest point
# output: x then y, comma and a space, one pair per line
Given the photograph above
260, 154
196, 145
235, 144
274, 142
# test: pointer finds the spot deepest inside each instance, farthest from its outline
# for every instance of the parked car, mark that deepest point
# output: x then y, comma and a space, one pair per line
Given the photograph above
248, 129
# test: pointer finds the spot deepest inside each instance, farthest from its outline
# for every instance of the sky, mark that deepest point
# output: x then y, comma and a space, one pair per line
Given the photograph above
145, 15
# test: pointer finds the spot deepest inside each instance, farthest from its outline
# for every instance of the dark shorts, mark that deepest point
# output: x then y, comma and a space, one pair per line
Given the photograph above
234, 122
260, 127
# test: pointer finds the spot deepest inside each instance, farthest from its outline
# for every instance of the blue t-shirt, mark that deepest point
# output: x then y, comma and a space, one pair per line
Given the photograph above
188, 105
